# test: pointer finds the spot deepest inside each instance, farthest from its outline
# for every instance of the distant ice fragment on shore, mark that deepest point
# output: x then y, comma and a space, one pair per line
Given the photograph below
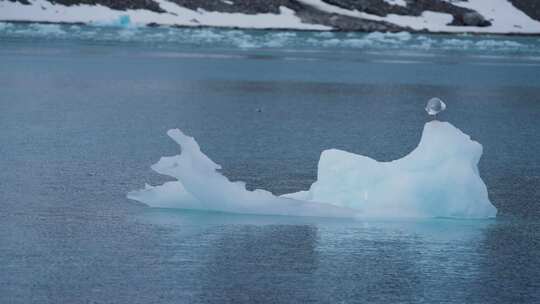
124, 21
439, 178
121, 21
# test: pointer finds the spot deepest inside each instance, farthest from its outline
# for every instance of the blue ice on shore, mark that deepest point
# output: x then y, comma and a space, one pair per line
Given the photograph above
439, 178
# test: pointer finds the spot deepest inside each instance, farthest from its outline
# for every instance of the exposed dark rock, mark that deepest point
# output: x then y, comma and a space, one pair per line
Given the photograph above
238, 6
414, 8
116, 4
529, 7
475, 19
25, 2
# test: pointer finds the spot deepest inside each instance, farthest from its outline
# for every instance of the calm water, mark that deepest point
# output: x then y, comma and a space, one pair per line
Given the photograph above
84, 111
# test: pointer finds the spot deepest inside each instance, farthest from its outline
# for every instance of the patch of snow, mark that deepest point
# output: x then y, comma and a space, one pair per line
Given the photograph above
504, 16
428, 20
44, 11
329, 8
396, 2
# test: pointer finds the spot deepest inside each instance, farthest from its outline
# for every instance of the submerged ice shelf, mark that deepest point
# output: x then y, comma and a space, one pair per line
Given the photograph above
439, 178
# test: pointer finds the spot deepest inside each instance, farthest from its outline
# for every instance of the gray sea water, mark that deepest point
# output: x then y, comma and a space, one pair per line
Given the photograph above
84, 111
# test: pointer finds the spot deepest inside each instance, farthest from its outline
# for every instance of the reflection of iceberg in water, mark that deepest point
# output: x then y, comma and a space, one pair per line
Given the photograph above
438, 179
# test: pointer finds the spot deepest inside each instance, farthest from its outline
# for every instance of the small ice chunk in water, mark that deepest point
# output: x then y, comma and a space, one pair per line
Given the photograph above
435, 106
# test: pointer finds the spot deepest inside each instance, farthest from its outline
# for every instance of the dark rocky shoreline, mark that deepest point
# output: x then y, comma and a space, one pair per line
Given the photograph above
311, 15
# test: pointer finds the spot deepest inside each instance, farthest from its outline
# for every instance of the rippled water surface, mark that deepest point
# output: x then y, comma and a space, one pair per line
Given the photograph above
84, 111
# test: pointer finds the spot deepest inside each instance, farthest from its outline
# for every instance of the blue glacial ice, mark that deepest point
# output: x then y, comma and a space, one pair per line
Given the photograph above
439, 178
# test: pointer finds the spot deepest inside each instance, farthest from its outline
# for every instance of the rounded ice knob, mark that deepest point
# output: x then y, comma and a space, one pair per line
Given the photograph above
435, 106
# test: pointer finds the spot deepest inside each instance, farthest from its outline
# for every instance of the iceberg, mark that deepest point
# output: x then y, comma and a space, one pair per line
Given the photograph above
200, 186
439, 178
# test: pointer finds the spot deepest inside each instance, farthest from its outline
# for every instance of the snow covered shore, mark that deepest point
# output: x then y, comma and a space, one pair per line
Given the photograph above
442, 16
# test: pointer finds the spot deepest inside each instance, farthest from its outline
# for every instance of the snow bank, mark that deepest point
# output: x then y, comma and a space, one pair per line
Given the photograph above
44, 11
504, 16
438, 179
396, 2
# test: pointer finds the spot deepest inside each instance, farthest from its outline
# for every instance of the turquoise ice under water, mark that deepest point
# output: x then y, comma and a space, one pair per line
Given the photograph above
83, 113
438, 179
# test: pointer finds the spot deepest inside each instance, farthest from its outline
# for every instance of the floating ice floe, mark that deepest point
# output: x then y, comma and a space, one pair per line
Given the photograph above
200, 186
45, 11
439, 178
